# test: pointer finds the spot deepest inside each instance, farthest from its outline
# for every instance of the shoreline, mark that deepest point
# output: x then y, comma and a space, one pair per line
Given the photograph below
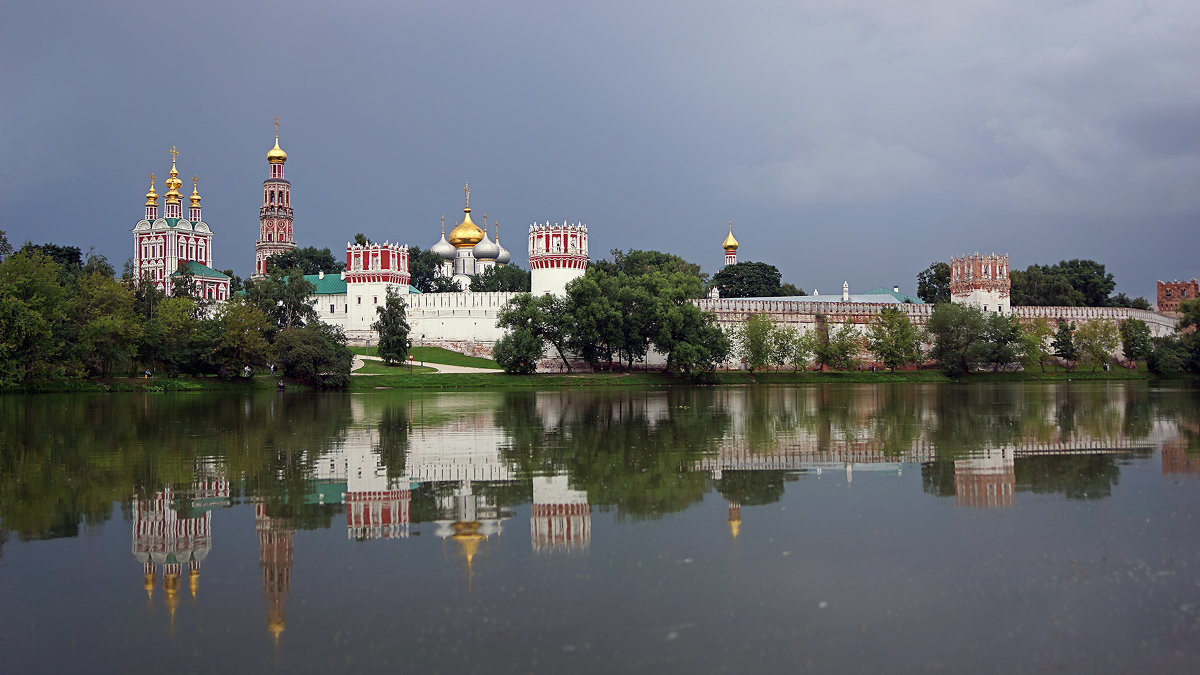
458, 381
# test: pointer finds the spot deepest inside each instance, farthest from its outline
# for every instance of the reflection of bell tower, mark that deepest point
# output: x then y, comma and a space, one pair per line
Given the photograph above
561, 518
986, 482
735, 519
275, 559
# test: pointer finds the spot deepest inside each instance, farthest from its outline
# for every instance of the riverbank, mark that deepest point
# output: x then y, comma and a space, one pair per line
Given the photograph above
398, 377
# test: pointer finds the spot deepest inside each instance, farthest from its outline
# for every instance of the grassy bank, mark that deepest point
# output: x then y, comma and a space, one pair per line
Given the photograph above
402, 380
151, 385
437, 355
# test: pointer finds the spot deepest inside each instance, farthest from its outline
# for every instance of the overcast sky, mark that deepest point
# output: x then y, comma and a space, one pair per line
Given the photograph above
848, 139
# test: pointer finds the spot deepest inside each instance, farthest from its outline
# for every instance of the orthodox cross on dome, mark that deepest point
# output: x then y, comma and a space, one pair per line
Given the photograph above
277, 127
195, 182
467, 189
174, 154
443, 224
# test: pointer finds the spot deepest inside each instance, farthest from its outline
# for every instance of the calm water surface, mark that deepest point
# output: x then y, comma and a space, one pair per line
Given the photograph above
830, 528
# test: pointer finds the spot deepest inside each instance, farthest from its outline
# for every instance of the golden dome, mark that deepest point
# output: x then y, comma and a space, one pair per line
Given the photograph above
195, 198
730, 244
276, 155
466, 234
152, 196
173, 182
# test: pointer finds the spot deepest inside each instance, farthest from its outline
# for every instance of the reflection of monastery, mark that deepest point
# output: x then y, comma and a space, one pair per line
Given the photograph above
453, 460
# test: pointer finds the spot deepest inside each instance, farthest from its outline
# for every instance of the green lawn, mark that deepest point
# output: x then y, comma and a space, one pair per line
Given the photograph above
381, 368
437, 355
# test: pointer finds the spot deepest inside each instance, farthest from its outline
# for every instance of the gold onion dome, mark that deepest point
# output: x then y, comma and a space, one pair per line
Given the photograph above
152, 196
173, 182
276, 155
195, 198
730, 244
466, 234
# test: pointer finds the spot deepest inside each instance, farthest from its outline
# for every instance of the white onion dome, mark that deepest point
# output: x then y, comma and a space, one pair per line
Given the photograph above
505, 257
486, 249
443, 248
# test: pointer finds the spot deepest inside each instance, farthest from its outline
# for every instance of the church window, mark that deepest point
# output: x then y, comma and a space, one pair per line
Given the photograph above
375, 300
331, 310
360, 299
346, 309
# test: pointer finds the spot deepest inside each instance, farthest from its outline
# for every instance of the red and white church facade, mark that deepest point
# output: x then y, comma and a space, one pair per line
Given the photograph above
167, 247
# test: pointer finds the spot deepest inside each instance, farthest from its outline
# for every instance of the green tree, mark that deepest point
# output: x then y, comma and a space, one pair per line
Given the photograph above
1096, 341
33, 315
392, 327
1069, 283
1034, 343
788, 289
241, 340
1064, 343
597, 316
173, 341
1167, 356
309, 260
315, 354
1001, 342
755, 341
1135, 339
748, 280
1122, 300
6, 248
635, 263
518, 351
287, 298
423, 266
508, 278
957, 331
236, 283
838, 348
109, 328
795, 346
933, 283
893, 339
545, 317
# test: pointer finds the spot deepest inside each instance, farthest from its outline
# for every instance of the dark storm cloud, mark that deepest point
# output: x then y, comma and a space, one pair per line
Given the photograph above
847, 140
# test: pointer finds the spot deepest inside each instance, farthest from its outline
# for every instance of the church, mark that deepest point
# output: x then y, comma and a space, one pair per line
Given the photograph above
166, 248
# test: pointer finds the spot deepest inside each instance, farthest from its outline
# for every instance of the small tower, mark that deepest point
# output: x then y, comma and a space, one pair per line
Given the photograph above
981, 280
558, 253
152, 202
173, 199
731, 246
194, 207
275, 215
463, 238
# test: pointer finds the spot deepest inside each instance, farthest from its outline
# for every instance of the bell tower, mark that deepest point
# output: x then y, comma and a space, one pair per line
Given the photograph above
275, 215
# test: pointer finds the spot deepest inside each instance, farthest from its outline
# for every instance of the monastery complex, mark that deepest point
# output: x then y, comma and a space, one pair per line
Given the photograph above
166, 247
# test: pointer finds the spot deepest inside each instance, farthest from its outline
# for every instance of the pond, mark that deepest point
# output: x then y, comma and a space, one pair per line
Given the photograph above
713, 529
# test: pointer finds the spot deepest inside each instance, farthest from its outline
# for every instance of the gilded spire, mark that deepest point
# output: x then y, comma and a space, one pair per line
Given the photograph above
276, 155
152, 196
195, 198
173, 181
730, 244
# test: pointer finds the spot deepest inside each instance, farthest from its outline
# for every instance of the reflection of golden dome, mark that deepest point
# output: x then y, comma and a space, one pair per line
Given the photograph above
194, 582
730, 244
467, 233
735, 519
276, 624
148, 584
171, 586
151, 196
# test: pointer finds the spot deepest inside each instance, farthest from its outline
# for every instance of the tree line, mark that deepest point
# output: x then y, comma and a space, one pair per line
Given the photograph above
1068, 283
963, 338
63, 315
612, 317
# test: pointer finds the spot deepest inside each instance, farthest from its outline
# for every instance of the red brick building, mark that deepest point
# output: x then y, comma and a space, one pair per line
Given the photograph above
1171, 293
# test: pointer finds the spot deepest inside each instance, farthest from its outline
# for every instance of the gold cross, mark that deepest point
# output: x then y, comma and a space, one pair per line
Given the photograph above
467, 189
195, 180
152, 176
174, 154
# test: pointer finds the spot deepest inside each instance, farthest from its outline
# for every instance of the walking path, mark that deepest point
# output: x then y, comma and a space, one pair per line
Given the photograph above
440, 367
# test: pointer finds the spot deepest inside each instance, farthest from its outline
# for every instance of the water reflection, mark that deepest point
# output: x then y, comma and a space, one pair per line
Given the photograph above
463, 467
